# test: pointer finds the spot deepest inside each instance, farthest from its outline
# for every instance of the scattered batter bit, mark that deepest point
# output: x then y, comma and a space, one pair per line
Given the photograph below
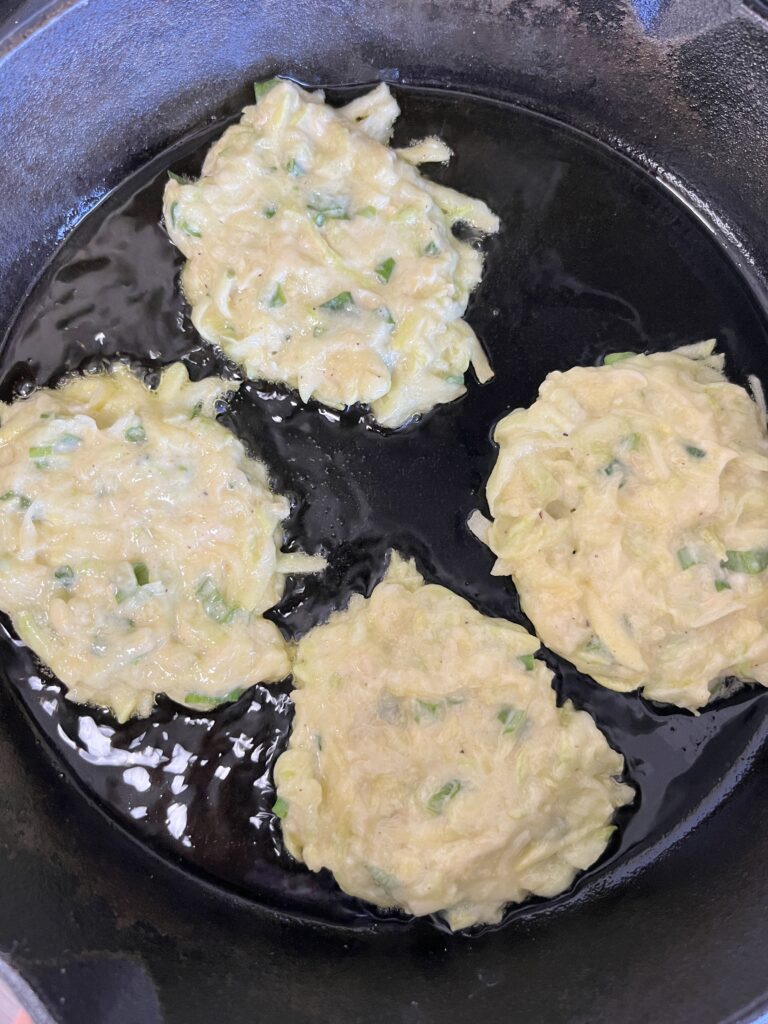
140, 544
630, 506
319, 257
429, 767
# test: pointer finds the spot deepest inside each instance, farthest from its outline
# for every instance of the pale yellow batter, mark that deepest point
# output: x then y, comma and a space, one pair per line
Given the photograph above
630, 506
140, 545
319, 257
429, 767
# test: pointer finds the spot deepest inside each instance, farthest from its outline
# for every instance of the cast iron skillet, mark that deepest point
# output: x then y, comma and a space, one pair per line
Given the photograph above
106, 930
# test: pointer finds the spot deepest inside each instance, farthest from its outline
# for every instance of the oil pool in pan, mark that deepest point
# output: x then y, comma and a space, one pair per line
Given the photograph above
592, 256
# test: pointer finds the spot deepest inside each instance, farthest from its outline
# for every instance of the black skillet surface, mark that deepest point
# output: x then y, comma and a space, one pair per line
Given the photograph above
593, 256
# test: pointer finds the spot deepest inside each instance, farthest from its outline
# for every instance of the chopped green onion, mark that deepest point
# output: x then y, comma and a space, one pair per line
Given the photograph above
428, 710
339, 303
596, 646
205, 700
722, 585
511, 719
327, 208
197, 410
686, 558
749, 562
694, 452
141, 572
613, 467
294, 168
280, 808
270, 211
616, 357
262, 88
65, 575
384, 269
278, 297
24, 501
385, 315
630, 442
176, 221
432, 249
367, 211
40, 451
178, 178
527, 661
46, 415
383, 879
437, 802
214, 603
136, 435
66, 443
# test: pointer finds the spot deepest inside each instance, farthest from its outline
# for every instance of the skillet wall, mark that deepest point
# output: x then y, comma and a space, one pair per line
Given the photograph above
87, 92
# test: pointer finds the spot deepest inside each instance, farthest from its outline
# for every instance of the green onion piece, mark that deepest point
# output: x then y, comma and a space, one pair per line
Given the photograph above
179, 178
262, 88
24, 501
46, 415
385, 315
630, 442
270, 211
327, 208
278, 297
436, 803
65, 575
214, 603
596, 646
136, 435
722, 585
527, 661
294, 168
197, 410
384, 269
431, 249
613, 467
40, 451
141, 572
428, 710
694, 452
685, 558
616, 357
205, 700
367, 211
280, 808
511, 719
339, 303
66, 443
176, 221
383, 879
749, 562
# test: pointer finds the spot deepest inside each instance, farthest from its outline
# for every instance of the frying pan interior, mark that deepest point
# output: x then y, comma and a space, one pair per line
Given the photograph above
632, 219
